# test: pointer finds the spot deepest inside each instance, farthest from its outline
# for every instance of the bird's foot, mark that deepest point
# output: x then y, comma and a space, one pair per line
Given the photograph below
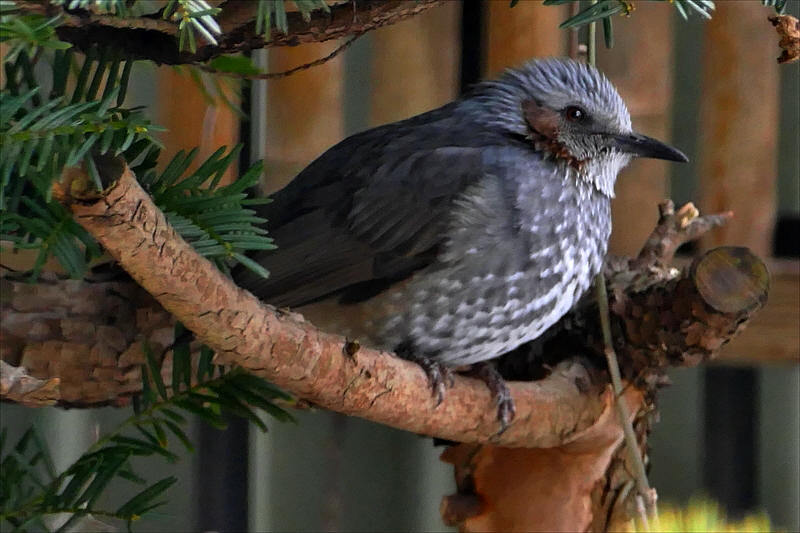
439, 376
487, 373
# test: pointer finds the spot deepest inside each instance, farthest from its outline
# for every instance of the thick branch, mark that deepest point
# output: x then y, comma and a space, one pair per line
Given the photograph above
150, 37
293, 354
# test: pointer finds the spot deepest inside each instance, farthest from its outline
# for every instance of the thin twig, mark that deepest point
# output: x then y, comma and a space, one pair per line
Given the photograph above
275, 75
642, 483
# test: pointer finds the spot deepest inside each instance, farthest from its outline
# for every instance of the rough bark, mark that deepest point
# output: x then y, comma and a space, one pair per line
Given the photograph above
293, 354
151, 37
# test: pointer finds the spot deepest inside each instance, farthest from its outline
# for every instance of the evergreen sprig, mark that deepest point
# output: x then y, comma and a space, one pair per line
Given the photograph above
24, 33
114, 7
779, 5
41, 134
603, 10
272, 13
214, 219
31, 490
41, 140
194, 16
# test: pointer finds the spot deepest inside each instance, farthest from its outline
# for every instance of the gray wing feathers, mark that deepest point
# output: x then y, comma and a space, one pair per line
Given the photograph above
382, 220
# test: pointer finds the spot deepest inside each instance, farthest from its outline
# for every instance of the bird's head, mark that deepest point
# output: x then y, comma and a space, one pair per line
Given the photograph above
569, 111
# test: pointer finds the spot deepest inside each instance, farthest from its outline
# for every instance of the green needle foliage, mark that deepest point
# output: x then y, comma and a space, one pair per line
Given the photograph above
603, 10
27, 32
60, 109
214, 219
41, 134
779, 5
31, 491
272, 13
193, 17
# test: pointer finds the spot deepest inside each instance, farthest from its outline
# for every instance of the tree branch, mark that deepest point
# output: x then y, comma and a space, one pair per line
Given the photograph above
293, 354
151, 37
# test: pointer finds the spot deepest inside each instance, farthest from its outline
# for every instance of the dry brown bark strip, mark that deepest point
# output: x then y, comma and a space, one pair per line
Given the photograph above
150, 37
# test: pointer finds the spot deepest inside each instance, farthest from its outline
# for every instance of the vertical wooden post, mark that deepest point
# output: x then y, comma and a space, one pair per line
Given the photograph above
304, 111
738, 171
641, 67
739, 125
191, 120
529, 29
415, 64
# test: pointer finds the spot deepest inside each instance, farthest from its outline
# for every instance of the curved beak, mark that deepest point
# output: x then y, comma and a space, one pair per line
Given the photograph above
644, 146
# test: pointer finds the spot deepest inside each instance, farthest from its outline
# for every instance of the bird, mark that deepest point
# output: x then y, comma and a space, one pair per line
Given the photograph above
456, 236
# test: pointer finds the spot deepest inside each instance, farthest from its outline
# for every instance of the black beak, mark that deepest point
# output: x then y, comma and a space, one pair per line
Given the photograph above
643, 146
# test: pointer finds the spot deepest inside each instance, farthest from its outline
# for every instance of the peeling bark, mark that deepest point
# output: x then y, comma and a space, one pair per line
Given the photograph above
519, 489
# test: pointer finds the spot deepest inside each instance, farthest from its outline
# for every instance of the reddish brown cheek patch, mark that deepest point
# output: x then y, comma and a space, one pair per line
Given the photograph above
543, 123
541, 120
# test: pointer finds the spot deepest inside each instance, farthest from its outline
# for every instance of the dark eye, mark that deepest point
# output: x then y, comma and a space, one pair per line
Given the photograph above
574, 113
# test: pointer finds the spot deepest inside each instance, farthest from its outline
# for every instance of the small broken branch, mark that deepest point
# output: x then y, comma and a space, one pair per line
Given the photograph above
673, 230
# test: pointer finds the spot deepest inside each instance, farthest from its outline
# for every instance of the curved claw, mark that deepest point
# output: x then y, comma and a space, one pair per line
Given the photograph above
487, 373
505, 411
439, 377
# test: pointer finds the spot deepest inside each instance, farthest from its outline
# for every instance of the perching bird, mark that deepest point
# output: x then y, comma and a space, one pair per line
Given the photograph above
457, 235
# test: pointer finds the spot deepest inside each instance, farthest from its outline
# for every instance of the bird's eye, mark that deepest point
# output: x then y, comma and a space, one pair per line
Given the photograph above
574, 113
